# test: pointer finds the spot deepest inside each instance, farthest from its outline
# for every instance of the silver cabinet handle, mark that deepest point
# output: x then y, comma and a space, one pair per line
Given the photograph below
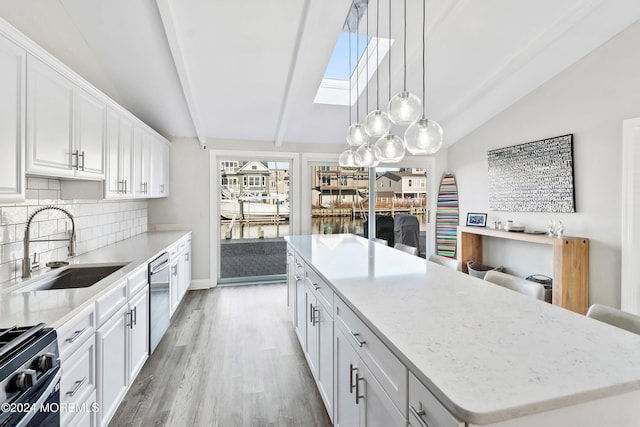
125, 186
81, 155
351, 371
77, 387
419, 414
316, 315
358, 397
174, 270
75, 154
297, 278
186, 256
355, 337
135, 315
311, 314
75, 335
128, 319
298, 265
315, 286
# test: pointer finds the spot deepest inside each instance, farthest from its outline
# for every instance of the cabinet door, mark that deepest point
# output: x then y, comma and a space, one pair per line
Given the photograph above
345, 412
324, 324
111, 340
173, 286
311, 349
376, 408
301, 318
112, 183
138, 332
125, 144
90, 116
186, 270
12, 121
49, 121
291, 285
141, 163
159, 168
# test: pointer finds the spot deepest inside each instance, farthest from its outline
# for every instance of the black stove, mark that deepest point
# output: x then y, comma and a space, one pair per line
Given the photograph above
29, 377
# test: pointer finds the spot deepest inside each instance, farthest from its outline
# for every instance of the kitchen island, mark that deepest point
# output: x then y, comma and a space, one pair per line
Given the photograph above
485, 354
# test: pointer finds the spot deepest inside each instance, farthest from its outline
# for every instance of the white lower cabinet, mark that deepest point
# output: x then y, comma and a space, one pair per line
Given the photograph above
179, 272
138, 333
111, 339
122, 344
360, 399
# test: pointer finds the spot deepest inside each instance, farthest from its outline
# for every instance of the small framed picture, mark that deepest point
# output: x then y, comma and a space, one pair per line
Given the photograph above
477, 219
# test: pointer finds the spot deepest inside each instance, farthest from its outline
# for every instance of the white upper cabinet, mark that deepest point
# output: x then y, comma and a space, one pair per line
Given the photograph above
90, 116
49, 121
12, 121
65, 126
141, 162
53, 123
159, 169
118, 160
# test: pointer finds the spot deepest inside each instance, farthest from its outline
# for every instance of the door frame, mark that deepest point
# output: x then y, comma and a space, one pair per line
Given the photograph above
215, 157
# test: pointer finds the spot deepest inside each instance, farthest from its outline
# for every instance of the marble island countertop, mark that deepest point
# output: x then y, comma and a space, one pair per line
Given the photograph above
487, 353
55, 307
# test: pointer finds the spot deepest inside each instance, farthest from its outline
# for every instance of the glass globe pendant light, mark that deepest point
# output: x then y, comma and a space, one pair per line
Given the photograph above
367, 155
390, 147
404, 108
377, 122
423, 136
347, 159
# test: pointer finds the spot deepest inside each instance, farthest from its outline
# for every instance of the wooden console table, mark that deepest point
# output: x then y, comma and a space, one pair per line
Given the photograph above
570, 262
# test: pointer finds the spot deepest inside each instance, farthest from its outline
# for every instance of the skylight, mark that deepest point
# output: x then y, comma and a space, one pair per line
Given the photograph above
334, 88
338, 67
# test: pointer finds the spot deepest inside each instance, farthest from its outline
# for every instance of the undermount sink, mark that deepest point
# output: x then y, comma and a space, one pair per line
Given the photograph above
79, 276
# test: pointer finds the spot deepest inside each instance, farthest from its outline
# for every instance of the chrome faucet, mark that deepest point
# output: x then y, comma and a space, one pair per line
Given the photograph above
26, 259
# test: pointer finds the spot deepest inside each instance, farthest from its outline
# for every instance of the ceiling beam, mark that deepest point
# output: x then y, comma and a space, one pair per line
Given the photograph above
166, 15
283, 119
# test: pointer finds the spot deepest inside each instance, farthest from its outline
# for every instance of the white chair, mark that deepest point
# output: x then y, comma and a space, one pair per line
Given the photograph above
381, 241
452, 263
615, 317
406, 248
517, 284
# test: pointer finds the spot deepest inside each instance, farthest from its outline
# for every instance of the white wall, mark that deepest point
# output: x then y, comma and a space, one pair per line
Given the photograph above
187, 206
590, 100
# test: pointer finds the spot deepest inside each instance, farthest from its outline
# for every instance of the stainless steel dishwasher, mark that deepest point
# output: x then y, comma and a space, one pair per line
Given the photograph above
158, 299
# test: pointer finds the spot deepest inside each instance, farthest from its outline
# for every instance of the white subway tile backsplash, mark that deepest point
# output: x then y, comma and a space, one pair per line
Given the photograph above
37, 183
98, 223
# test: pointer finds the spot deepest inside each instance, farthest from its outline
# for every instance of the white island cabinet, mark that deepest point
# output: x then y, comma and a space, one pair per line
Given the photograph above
418, 344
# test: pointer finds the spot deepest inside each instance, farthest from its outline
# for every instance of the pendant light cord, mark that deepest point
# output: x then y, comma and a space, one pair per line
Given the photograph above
349, 74
389, 50
424, 56
377, 57
357, 68
367, 63
405, 45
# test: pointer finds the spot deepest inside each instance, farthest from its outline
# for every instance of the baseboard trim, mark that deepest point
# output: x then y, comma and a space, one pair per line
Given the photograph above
201, 284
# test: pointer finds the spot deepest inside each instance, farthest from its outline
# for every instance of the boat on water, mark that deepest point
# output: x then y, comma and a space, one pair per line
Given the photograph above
253, 209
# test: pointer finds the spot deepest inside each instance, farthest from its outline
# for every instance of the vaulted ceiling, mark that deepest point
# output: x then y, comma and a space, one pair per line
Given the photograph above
250, 70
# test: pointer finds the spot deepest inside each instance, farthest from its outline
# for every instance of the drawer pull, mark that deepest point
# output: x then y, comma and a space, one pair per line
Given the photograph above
419, 414
297, 278
316, 315
355, 337
298, 265
316, 287
75, 335
77, 387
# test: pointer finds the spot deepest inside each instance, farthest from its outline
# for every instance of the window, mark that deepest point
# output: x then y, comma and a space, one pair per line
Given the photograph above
325, 168
326, 180
343, 180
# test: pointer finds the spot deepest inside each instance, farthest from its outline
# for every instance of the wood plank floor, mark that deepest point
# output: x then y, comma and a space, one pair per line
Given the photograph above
229, 358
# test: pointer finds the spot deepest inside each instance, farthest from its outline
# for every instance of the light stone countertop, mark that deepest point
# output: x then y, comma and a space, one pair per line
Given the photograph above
487, 353
55, 307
